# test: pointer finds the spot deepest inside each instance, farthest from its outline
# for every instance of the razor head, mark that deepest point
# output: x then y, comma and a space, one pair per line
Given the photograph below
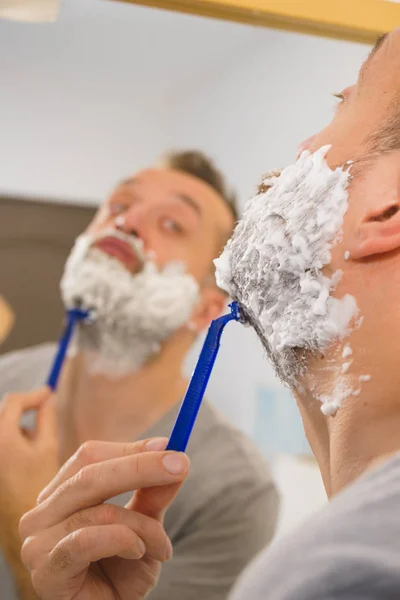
237, 312
81, 313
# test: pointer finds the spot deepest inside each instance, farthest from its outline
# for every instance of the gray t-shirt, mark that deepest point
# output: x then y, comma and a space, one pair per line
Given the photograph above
349, 551
224, 514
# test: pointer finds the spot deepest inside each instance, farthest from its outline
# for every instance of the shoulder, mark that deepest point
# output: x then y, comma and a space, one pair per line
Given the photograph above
349, 550
24, 370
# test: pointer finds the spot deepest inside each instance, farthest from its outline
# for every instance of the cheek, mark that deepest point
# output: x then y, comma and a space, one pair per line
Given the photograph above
341, 252
193, 253
345, 137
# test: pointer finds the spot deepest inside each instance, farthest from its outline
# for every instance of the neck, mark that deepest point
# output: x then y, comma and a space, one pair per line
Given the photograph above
95, 406
363, 433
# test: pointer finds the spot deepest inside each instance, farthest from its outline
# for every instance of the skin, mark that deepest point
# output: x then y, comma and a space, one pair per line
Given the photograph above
178, 217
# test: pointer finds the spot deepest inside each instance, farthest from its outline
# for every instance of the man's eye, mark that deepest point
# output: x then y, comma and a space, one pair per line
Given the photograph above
340, 97
171, 226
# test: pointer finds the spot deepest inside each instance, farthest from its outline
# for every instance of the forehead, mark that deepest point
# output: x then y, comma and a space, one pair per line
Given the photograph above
384, 60
368, 105
170, 185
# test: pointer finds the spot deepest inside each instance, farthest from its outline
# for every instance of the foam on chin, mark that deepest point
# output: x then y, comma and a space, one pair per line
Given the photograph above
135, 314
274, 265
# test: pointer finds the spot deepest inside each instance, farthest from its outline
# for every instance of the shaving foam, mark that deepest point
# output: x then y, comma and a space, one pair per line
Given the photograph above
364, 378
347, 351
135, 313
275, 266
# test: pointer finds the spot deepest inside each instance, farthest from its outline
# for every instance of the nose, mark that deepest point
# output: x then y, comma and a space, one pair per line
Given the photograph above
126, 225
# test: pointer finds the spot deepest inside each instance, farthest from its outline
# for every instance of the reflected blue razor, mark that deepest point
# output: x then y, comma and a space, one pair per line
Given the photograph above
74, 315
194, 395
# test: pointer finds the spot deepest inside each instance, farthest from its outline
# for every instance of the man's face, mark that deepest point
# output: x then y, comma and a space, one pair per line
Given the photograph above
287, 265
177, 217
144, 268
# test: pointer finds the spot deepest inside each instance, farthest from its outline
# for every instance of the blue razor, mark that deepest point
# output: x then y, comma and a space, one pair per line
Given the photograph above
194, 395
73, 316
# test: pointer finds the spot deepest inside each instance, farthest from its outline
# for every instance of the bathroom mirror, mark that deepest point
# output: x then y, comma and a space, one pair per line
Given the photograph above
357, 20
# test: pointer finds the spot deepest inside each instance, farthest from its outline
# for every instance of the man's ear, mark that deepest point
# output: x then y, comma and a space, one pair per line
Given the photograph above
378, 232
212, 303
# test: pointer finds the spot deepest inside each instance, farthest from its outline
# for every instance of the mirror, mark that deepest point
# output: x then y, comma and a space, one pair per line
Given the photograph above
332, 18
110, 86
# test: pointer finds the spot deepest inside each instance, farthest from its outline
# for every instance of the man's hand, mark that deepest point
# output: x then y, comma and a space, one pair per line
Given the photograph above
28, 462
78, 548
28, 458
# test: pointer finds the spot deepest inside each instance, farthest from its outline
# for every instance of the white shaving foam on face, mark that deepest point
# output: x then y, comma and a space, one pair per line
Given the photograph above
275, 266
135, 313
364, 378
346, 366
347, 351
333, 401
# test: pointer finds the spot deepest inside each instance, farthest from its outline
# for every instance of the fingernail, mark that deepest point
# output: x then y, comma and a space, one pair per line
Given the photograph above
157, 444
141, 546
175, 463
170, 550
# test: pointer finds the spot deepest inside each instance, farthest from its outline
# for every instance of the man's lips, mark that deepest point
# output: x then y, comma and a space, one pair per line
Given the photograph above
121, 251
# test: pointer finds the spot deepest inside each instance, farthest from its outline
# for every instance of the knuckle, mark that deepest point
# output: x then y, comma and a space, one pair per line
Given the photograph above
158, 530
26, 524
147, 527
29, 552
109, 514
79, 541
86, 454
130, 448
85, 477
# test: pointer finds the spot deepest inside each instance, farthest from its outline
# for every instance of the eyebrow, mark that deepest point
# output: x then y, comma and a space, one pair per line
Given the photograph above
379, 42
128, 181
183, 197
190, 202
